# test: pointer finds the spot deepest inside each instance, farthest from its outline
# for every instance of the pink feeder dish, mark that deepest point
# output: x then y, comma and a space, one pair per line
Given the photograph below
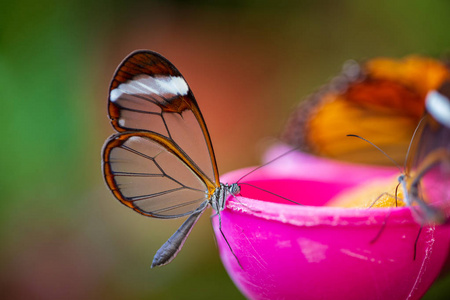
311, 251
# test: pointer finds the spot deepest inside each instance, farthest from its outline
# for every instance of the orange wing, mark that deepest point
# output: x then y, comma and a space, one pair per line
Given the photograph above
381, 100
161, 163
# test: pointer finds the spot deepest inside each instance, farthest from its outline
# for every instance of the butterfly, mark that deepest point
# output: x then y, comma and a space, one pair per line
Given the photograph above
383, 100
427, 175
161, 161
368, 99
425, 178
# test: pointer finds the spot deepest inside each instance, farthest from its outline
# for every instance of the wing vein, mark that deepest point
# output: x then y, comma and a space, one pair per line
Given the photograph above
136, 174
149, 196
140, 154
146, 197
165, 209
171, 178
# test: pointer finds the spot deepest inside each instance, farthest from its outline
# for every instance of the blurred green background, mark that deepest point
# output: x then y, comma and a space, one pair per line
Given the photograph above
62, 234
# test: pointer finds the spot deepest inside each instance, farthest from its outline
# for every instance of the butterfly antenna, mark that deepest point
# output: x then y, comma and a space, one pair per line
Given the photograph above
245, 183
379, 149
412, 140
263, 165
269, 162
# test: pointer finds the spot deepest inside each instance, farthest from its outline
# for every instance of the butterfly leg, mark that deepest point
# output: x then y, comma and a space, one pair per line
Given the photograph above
416, 241
383, 226
378, 198
220, 228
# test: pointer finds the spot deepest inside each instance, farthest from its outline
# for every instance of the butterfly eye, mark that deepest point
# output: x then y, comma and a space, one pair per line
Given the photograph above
235, 189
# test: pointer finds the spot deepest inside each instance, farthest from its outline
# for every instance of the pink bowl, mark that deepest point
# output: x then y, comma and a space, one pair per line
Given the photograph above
290, 251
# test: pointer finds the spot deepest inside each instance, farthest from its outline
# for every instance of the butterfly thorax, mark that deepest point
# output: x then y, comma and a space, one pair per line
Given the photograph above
408, 190
220, 195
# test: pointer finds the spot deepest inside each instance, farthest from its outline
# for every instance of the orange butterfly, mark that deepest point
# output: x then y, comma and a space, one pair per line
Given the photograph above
161, 162
381, 100
425, 179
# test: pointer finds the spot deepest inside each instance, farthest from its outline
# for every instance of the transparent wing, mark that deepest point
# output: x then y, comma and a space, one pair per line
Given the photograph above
150, 174
434, 131
429, 162
148, 93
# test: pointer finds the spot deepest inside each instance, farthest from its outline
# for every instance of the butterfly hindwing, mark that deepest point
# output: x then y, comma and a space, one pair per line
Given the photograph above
150, 174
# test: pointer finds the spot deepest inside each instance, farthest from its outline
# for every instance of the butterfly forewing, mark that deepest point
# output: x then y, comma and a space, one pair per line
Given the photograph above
370, 100
149, 174
149, 94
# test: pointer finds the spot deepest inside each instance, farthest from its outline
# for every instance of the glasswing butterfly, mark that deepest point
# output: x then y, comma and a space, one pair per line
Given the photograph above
426, 177
427, 174
161, 162
380, 101
425, 180
383, 100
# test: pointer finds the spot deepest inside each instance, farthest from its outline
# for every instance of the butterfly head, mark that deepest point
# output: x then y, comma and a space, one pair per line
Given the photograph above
401, 178
233, 189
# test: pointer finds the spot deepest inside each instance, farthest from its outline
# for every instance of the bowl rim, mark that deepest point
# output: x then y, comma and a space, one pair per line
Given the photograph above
306, 215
